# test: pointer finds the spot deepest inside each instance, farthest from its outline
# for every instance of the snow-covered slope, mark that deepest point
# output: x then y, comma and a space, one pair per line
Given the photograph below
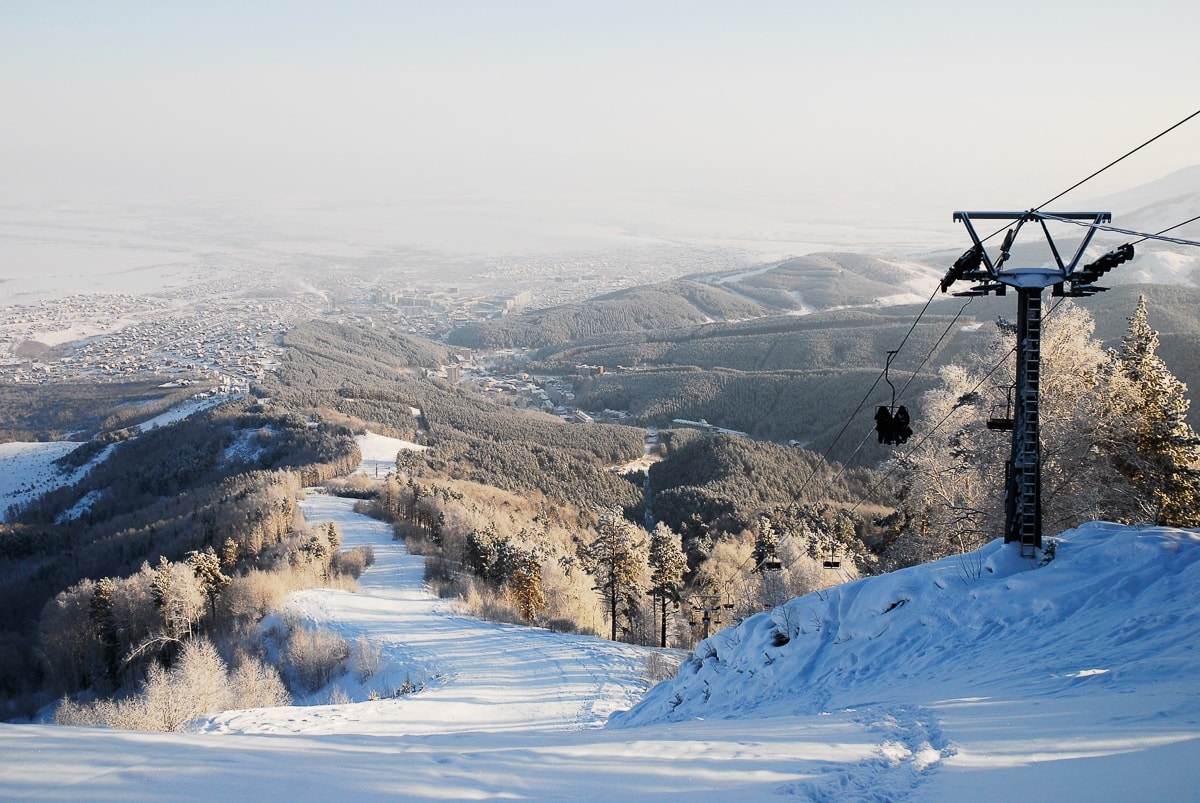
980, 678
28, 470
379, 453
474, 675
1108, 613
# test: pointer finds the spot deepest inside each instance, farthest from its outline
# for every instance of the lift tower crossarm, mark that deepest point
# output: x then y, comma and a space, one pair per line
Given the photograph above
1023, 278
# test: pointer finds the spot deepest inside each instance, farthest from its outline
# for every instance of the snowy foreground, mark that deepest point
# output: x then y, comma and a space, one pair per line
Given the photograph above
969, 679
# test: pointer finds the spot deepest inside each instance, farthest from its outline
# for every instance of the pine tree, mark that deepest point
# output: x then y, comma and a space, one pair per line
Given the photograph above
524, 578
616, 559
1162, 457
667, 566
766, 543
229, 554
101, 613
207, 568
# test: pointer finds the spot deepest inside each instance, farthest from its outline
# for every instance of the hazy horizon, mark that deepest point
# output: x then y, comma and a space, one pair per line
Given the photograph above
540, 126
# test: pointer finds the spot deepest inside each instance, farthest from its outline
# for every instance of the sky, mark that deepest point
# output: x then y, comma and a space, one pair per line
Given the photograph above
750, 115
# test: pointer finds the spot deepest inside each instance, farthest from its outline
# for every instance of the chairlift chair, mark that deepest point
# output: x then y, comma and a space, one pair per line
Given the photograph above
892, 422
1004, 423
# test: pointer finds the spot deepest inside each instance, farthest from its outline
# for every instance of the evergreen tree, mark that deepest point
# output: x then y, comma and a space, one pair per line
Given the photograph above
524, 578
207, 568
667, 566
103, 600
616, 558
1162, 454
229, 554
766, 543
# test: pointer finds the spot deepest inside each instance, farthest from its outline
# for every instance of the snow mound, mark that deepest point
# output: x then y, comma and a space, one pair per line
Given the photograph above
1117, 606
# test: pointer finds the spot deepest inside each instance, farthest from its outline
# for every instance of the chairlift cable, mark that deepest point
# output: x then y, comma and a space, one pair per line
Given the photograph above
945, 418
1117, 160
924, 360
1129, 232
1177, 225
1080, 183
849, 420
895, 397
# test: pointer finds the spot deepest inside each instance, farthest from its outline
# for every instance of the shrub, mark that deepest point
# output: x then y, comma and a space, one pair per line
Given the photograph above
198, 683
365, 657
353, 562
256, 685
660, 667
313, 657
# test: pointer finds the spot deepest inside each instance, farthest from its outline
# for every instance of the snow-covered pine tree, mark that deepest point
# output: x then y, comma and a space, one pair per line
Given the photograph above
766, 542
1161, 456
667, 566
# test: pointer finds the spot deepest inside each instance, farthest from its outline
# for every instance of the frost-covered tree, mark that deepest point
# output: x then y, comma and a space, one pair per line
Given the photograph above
179, 596
1161, 453
952, 488
667, 567
766, 542
617, 560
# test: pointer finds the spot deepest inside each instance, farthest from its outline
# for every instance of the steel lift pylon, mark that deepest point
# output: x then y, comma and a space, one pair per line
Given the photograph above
1023, 489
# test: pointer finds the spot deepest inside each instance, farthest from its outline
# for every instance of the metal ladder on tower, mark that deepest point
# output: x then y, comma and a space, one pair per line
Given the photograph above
1027, 464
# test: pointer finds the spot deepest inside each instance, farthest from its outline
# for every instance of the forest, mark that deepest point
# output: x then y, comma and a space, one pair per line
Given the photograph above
66, 410
224, 477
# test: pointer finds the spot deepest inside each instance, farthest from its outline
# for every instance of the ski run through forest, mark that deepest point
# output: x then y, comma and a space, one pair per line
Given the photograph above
982, 677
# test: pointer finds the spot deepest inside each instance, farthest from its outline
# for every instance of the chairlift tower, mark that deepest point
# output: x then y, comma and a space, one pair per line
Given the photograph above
1023, 487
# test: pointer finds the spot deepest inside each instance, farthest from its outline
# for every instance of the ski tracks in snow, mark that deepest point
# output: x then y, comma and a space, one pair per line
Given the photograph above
469, 674
911, 747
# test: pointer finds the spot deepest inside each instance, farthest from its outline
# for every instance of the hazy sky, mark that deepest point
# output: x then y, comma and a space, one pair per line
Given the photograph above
755, 109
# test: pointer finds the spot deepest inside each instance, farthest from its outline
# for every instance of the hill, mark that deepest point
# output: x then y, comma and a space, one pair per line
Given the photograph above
1075, 680
799, 377
974, 660
797, 286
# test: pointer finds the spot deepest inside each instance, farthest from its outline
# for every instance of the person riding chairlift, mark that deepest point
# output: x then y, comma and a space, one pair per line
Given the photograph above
893, 429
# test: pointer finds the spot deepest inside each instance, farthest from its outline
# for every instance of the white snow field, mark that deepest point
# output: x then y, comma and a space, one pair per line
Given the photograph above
27, 471
379, 453
976, 678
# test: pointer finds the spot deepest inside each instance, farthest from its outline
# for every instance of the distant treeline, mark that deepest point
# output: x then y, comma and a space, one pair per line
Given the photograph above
723, 483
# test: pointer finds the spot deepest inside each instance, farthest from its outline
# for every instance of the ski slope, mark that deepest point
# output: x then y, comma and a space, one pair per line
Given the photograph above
991, 680
476, 675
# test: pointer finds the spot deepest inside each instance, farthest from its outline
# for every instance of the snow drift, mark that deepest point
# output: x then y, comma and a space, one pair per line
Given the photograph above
1116, 609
